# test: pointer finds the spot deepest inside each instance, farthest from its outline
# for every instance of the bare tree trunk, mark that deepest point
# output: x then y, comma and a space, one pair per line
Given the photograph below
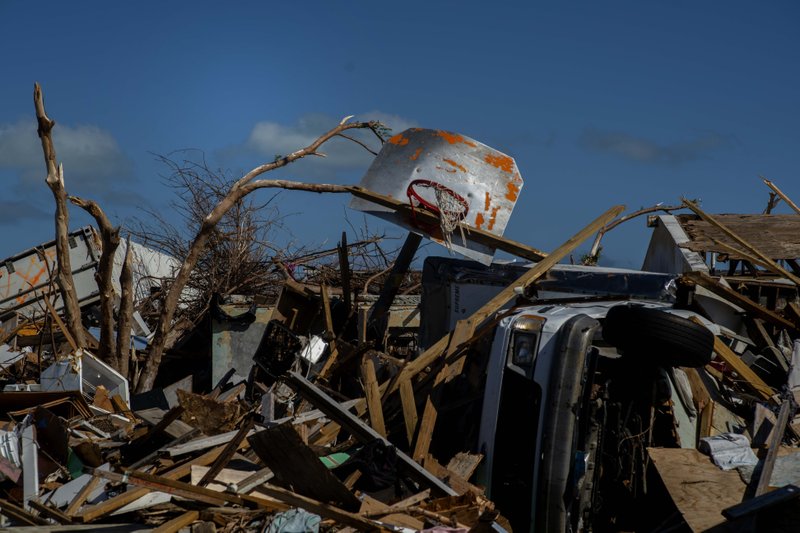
124, 322
55, 180
244, 186
110, 239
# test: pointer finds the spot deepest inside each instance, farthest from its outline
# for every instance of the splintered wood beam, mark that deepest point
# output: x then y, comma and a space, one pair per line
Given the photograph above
735, 362
361, 431
780, 193
150, 482
429, 414
107, 507
462, 333
475, 234
21, 515
80, 497
409, 405
50, 512
495, 304
766, 261
774, 446
373, 396
711, 284
227, 453
177, 523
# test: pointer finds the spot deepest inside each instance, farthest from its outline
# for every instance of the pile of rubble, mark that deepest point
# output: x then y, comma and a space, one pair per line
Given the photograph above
486, 396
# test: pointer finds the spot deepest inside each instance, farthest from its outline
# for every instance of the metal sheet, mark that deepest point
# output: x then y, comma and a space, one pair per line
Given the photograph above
487, 179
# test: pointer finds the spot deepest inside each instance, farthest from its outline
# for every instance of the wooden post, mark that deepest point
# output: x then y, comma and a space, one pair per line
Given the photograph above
373, 396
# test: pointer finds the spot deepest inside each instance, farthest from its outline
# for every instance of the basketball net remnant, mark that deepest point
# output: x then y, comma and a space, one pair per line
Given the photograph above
448, 205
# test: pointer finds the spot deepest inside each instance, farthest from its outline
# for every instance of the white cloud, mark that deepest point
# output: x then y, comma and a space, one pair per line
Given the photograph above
92, 159
268, 139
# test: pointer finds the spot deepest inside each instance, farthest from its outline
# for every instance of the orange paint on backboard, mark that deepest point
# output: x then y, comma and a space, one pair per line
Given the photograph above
454, 138
513, 191
479, 220
454, 164
488, 201
399, 140
416, 154
493, 218
503, 162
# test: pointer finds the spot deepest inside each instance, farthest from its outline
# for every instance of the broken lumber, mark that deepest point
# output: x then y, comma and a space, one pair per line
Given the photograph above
434, 352
745, 372
360, 430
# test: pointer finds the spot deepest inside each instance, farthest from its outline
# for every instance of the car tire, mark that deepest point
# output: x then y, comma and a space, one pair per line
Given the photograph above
669, 339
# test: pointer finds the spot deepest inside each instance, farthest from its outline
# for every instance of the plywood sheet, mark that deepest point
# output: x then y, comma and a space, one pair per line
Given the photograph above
699, 489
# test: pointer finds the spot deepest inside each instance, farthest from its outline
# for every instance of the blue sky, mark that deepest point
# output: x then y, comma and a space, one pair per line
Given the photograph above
599, 102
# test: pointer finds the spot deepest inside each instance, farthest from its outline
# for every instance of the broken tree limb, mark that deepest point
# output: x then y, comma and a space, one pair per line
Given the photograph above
55, 181
780, 193
360, 430
238, 190
595, 250
109, 236
125, 319
766, 261
495, 304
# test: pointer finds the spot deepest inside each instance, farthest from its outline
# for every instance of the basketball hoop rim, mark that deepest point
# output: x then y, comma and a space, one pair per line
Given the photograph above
413, 194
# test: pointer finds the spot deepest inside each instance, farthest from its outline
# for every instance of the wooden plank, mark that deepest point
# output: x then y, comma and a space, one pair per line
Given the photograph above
429, 414
200, 444
296, 465
177, 523
101, 509
765, 260
707, 282
783, 196
60, 324
122, 408
186, 490
49, 512
361, 431
167, 423
464, 464
409, 405
80, 497
19, 514
735, 362
774, 446
699, 489
476, 234
459, 484
434, 352
373, 396
227, 452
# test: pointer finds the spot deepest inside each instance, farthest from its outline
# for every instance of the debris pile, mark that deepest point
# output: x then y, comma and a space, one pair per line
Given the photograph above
470, 396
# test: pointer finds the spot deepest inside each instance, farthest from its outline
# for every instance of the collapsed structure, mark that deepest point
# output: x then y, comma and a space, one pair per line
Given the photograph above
488, 396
